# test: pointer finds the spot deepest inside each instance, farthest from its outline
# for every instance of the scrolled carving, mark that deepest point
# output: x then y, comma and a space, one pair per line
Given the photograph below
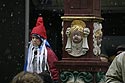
76, 77
97, 38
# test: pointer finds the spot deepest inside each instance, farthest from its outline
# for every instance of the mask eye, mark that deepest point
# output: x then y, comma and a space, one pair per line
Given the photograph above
33, 37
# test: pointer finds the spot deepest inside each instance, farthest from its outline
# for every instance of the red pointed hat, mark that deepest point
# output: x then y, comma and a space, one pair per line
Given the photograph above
39, 29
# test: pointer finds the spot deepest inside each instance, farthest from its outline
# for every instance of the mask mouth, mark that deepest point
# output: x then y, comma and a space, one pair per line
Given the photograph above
76, 39
35, 44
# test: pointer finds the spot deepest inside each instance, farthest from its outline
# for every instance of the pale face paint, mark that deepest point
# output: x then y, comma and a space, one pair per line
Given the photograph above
36, 41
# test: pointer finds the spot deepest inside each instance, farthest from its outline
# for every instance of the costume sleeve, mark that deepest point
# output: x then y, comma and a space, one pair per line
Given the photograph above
114, 73
52, 68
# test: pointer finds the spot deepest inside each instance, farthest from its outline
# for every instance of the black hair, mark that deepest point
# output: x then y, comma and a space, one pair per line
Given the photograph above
46, 77
120, 48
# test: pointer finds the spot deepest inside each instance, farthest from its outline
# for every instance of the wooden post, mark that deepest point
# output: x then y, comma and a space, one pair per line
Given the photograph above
82, 41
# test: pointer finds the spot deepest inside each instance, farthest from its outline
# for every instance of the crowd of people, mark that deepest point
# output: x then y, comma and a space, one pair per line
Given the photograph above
29, 77
39, 64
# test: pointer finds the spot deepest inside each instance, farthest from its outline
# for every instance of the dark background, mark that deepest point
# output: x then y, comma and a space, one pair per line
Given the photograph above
12, 37
12, 33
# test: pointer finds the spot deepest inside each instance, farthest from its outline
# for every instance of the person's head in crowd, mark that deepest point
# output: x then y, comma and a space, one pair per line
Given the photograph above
120, 48
46, 77
40, 56
38, 33
27, 77
116, 71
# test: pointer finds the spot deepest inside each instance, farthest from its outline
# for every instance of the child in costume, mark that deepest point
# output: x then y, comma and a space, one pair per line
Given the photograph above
40, 57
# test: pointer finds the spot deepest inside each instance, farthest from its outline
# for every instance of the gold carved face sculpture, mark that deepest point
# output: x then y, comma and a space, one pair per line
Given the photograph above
76, 31
77, 44
76, 34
